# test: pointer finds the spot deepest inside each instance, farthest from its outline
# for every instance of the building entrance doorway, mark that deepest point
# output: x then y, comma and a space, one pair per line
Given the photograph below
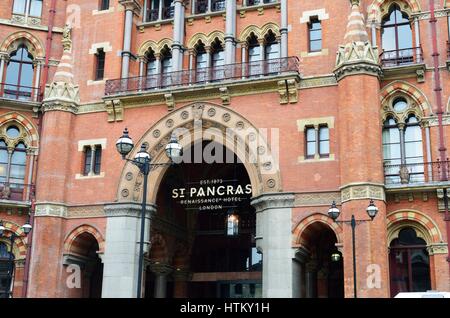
203, 235
321, 272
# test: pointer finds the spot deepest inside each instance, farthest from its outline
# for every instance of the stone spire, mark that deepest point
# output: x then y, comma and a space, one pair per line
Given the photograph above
357, 54
62, 93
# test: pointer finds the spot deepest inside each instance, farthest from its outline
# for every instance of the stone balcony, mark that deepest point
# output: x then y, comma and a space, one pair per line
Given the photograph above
280, 75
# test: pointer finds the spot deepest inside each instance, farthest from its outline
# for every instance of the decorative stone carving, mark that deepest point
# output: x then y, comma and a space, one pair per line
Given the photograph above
437, 248
317, 199
170, 102
362, 191
61, 96
225, 96
226, 117
284, 99
67, 38
197, 111
273, 200
51, 210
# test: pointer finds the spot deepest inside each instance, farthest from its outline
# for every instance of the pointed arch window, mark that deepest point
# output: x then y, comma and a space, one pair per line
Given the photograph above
19, 75
12, 169
403, 147
166, 66
201, 62
397, 38
254, 55
217, 60
409, 263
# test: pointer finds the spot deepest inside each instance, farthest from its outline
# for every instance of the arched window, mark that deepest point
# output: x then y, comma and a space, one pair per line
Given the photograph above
396, 38
402, 146
5, 271
201, 62
254, 55
19, 75
409, 263
217, 60
271, 53
12, 167
151, 70
166, 66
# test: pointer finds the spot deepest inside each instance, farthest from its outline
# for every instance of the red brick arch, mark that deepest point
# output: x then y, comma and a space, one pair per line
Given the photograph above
38, 48
22, 120
411, 217
85, 228
374, 10
19, 248
300, 232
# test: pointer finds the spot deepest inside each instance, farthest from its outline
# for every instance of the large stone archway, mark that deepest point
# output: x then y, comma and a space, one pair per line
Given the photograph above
193, 123
214, 122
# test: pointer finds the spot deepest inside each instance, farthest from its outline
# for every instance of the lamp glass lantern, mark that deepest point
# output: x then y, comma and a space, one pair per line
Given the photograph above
335, 257
372, 210
26, 228
142, 156
333, 211
173, 149
124, 144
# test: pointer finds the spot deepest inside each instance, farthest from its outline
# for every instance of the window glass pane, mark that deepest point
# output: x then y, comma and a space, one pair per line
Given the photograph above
12, 73
405, 37
391, 135
413, 133
315, 45
324, 133
272, 51
18, 161
3, 162
98, 160
151, 67
104, 4
201, 60
19, 6
311, 148
167, 65
310, 134
87, 160
400, 104
324, 147
218, 58
36, 8
388, 39
315, 35
13, 132
413, 149
26, 76
253, 53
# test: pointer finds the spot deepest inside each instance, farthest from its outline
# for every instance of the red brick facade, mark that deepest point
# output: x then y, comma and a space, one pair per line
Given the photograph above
68, 207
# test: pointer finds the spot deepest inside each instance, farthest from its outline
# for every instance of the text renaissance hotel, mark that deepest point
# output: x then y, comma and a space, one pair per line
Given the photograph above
224, 148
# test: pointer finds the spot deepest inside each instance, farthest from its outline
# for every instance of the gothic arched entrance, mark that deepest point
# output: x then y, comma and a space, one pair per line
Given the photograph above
209, 249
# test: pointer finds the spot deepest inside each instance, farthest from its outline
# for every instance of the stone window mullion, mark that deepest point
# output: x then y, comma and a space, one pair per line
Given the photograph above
316, 130
401, 128
91, 169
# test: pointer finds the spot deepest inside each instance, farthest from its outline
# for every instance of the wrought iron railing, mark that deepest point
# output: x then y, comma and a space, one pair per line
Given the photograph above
25, 93
206, 75
16, 191
411, 173
401, 57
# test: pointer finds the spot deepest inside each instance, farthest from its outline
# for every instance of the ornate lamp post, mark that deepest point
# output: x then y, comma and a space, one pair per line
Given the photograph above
26, 228
142, 160
334, 212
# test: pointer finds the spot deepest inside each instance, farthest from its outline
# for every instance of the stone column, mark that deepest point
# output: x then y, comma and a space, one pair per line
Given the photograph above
273, 239
230, 32
284, 29
374, 34
3, 59
131, 7
37, 79
417, 38
298, 276
181, 279
426, 125
178, 36
311, 279
160, 271
121, 258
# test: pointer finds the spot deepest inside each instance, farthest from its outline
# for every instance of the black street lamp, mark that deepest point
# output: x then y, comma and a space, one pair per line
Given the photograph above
142, 160
26, 228
334, 212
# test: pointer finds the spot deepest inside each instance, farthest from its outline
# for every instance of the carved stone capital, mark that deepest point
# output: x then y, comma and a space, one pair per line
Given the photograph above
132, 5
51, 209
437, 248
160, 268
358, 191
273, 201
129, 209
357, 58
61, 96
